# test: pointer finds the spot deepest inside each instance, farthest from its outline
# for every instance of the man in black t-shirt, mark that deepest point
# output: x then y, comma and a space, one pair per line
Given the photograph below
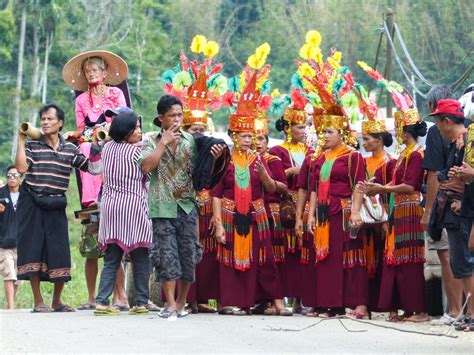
449, 119
435, 159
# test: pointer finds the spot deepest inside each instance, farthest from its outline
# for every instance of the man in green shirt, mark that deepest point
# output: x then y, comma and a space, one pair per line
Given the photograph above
170, 157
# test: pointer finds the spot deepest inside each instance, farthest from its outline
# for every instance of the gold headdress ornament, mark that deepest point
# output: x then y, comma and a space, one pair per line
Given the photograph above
469, 151
407, 115
261, 125
199, 86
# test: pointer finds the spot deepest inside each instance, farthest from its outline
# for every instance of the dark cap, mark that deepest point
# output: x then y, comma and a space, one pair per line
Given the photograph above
116, 111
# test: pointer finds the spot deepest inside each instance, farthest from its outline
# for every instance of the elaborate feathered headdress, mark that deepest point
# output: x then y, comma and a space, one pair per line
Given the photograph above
324, 83
248, 96
200, 86
368, 108
407, 114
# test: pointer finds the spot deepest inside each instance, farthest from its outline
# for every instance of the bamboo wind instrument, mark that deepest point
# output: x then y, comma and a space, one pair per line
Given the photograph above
103, 135
29, 130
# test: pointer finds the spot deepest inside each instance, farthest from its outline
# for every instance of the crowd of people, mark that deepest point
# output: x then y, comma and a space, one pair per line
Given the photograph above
310, 220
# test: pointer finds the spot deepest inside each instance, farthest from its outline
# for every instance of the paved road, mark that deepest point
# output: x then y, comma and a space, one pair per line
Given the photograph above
21, 331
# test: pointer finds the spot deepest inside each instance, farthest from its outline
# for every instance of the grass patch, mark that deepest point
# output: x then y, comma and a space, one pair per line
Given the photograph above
75, 291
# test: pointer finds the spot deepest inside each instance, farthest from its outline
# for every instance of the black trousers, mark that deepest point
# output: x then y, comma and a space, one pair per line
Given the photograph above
141, 272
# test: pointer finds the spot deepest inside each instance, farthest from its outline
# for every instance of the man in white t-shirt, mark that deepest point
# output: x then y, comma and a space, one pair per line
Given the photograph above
8, 229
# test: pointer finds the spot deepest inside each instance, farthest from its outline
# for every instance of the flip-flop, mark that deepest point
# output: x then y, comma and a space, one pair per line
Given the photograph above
121, 307
152, 307
305, 310
298, 310
270, 311
202, 308
242, 312
284, 312
168, 313
109, 311
138, 310
329, 314
183, 313
86, 306
64, 308
42, 309
395, 319
226, 311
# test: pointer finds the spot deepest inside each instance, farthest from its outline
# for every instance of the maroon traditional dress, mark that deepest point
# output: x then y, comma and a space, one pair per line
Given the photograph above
206, 286
272, 205
381, 169
247, 271
341, 268
292, 269
403, 282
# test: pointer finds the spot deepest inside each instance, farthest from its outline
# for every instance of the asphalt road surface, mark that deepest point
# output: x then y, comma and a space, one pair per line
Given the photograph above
81, 332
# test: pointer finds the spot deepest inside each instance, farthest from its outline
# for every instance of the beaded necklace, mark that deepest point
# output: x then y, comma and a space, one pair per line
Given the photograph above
98, 107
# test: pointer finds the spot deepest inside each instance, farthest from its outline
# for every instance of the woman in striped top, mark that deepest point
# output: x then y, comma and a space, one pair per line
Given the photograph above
124, 224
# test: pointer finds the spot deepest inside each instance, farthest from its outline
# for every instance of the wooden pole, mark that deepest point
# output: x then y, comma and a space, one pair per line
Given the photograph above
388, 67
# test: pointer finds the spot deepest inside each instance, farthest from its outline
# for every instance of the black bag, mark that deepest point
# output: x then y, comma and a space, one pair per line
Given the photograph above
47, 202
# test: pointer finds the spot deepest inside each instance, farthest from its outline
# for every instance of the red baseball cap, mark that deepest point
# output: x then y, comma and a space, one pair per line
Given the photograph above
448, 107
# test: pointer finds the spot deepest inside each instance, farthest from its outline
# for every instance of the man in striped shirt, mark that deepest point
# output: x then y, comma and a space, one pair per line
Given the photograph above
43, 242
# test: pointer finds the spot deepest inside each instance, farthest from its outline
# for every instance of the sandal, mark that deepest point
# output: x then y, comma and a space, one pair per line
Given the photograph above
306, 310
138, 310
64, 308
284, 312
86, 306
242, 312
328, 314
106, 311
183, 313
121, 307
298, 310
226, 311
152, 307
395, 318
261, 308
203, 308
466, 324
42, 309
270, 311
168, 313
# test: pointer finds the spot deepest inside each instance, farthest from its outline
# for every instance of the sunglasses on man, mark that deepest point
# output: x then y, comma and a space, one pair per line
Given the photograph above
13, 176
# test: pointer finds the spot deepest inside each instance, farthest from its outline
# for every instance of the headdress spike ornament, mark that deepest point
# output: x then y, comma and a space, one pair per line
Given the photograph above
407, 114
199, 85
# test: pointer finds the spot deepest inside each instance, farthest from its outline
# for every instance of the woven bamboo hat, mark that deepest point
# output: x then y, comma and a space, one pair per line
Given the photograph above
73, 73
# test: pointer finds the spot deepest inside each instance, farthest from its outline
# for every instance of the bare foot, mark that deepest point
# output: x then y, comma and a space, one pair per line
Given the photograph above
417, 318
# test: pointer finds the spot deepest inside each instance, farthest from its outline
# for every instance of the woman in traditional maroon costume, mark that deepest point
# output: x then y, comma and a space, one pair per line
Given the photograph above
292, 153
341, 267
247, 272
